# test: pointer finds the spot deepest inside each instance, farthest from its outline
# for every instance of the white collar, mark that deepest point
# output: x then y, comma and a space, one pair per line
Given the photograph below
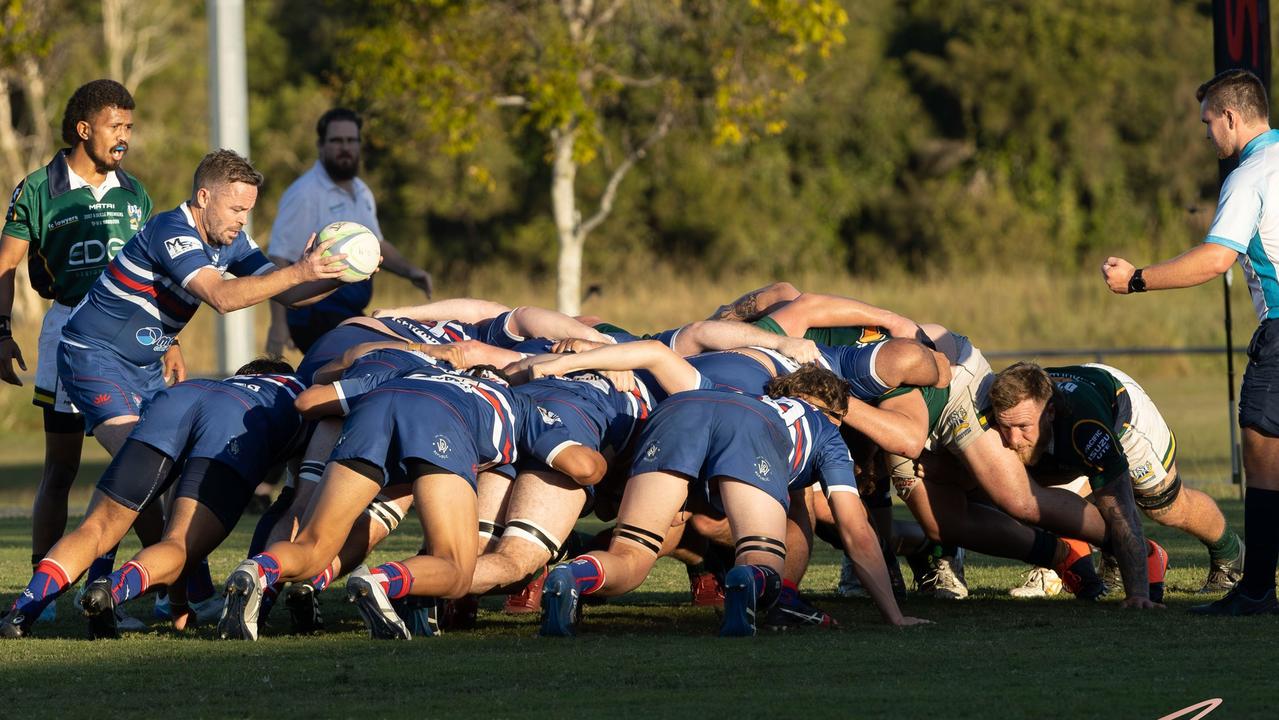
99, 192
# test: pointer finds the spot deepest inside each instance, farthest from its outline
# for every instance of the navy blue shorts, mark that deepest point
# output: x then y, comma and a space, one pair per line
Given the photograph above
709, 434
388, 427
137, 475
1259, 397
103, 385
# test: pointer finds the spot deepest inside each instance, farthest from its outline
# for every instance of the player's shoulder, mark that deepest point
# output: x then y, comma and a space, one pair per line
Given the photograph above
130, 182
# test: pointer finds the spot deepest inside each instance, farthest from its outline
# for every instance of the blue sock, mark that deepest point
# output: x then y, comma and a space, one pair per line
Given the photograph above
127, 583
395, 578
47, 583
768, 586
588, 573
102, 566
200, 583
269, 567
323, 580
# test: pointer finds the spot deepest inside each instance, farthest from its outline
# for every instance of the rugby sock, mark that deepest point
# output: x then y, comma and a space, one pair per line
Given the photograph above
1043, 550
1156, 568
587, 573
1226, 548
47, 583
200, 583
395, 579
1261, 534
790, 592
130, 581
769, 586
269, 596
323, 580
268, 567
102, 566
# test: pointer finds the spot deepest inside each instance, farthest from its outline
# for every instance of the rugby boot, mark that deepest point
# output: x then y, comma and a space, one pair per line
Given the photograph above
242, 600
99, 607
374, 606
1040, 583
948, 578
15, 625
740, 595
792, 611
1222, 574
459, 614
1078, 574
50, 613
420, 614
850, 586
1236, 603
560, 607
706, 590
303, 604
1156, 569
528, 600
1110, 573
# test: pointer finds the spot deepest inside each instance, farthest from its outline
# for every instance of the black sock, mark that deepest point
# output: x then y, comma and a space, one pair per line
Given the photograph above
1261, 536
1043, 550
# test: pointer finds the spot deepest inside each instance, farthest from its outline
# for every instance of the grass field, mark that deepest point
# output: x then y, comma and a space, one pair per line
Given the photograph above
650, 654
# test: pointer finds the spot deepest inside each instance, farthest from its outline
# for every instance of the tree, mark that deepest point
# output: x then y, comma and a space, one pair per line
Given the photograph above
592, 81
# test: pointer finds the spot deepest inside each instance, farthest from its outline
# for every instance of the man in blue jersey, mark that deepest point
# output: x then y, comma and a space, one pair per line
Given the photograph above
109, 357
215, 440
1234, 107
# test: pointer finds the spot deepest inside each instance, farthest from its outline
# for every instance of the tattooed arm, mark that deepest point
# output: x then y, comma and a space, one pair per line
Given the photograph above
756, 303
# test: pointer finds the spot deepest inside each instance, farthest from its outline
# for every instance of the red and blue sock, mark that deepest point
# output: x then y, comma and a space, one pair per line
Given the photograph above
127, 583
323, 580
47, 583
395, 579
587, 573
268, 567
769, 587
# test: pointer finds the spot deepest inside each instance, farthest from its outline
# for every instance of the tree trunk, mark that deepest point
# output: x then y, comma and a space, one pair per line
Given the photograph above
567, 222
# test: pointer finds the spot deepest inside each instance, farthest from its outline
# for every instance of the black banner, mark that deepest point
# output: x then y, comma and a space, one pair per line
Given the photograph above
1241, 39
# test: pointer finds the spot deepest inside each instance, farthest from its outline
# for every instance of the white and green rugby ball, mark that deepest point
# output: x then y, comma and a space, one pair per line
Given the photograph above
362, 248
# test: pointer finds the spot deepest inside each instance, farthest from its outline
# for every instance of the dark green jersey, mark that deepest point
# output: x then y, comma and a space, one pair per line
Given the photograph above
854, 336
72, 234
1085, 404
935, 400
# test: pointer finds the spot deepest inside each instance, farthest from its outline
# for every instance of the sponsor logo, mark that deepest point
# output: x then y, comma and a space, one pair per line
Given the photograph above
63, 222
102, 399
148, 335
957, 423
870, 336
12, 214
1069, 386
93, 252
1142, 472
135, 217
1097, 446
652, 451
762, 468
441, 447
180, 245
137, 400
102, 206
548, 417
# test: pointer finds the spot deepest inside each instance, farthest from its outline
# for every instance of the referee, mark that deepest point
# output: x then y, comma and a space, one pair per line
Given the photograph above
1234, 107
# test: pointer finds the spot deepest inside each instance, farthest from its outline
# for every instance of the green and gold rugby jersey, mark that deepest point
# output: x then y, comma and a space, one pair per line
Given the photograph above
1086, 403
72, 233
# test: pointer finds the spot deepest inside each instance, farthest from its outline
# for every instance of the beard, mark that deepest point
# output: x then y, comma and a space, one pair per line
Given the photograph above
104, 162
343, 167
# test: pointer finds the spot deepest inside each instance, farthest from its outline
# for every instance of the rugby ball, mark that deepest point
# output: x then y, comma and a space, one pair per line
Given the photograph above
362, 248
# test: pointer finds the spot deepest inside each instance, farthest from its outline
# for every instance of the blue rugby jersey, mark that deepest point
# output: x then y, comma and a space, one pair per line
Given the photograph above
139, 303
380, 366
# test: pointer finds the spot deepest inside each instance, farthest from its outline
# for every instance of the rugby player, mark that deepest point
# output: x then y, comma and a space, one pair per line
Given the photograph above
1095, 421
432, 429
73, 215
1235, 108
743, 454
214, 440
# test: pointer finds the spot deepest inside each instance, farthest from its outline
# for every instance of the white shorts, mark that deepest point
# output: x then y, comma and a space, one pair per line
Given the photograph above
49, 392
1144, 435
964, 418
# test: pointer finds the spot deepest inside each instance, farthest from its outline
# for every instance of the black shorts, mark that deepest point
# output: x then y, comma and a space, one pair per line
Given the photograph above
1259, 398
218, 487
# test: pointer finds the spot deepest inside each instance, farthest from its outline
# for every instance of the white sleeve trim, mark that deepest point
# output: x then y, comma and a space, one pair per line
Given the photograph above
555, 452
195, 272
337, 387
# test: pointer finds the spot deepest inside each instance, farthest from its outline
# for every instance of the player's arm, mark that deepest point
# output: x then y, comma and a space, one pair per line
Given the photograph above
12, 250
319, 401
308, 279
1196, 266
466, 310
535, 322
708, 335
813, 310
899, 425
672, 372
756, 303
581, 464
394, 261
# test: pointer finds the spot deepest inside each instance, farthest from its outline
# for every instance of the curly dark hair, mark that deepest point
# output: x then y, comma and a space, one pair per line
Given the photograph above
88, 100
821, 384
270, 364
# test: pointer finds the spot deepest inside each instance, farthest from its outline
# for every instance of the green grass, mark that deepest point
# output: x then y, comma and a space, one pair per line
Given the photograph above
651, 654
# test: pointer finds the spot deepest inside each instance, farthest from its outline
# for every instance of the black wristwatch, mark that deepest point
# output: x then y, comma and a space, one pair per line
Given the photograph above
1137, 283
